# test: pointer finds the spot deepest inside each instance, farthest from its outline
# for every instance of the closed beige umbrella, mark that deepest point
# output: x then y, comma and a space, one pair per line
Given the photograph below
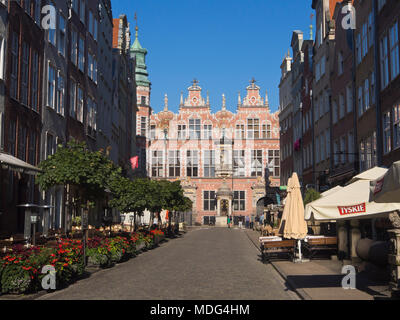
286, 203
293, 224
386, 189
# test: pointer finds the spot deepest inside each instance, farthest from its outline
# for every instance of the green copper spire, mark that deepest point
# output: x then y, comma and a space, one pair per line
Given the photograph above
141, 68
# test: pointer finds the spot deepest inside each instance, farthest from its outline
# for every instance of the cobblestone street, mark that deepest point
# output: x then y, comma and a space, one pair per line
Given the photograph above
205, 263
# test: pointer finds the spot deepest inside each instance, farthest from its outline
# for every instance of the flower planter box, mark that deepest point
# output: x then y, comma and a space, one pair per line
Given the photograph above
140, 246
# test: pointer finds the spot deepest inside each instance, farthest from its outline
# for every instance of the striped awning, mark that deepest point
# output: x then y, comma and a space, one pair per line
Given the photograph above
10, 162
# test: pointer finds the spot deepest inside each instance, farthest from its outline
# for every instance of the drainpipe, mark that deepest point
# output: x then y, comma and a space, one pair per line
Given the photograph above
313, 139
379, 145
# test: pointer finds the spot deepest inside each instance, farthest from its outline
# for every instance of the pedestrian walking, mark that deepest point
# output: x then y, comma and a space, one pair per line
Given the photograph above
247, 222
229, 222
252, 222
240, 222
262, 220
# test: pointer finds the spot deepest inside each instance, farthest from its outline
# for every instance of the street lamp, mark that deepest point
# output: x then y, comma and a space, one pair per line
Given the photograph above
34, 219
122, 217
131, 220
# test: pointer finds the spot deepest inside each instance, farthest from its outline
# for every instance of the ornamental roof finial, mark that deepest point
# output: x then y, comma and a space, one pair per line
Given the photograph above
223, 102
166, 102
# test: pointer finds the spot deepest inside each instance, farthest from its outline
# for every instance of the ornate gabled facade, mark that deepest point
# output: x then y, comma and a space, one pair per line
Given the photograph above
221, 158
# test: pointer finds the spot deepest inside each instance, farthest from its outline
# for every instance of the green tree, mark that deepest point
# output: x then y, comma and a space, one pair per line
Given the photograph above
311, 195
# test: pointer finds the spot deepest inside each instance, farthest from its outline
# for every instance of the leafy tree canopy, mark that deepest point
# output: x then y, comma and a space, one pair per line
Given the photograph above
311, 195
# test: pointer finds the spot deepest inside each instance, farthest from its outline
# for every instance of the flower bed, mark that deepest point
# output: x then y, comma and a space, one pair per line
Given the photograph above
20, 268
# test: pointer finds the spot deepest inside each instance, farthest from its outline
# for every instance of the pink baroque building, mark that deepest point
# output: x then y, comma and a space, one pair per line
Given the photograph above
221, 158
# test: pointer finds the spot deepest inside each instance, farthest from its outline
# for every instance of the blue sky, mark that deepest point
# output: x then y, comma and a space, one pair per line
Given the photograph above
222, 43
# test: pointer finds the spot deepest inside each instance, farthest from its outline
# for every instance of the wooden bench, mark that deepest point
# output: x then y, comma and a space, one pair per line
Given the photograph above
275, 248
326, 245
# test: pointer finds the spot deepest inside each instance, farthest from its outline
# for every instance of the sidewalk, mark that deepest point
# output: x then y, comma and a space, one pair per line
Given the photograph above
321, 279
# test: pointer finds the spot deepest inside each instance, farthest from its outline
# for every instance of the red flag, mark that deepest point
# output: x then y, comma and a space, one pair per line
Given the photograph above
135, 162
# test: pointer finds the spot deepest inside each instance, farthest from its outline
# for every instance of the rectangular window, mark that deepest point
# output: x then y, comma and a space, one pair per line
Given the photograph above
35, 81
384, 62
394, 51
25, 73
174, 164
366, 95
192, 163
143, 126
334, 112
80, 105
32, 149
350, 147
61, 35
370, 30
143, 100
349, 98
152, 132
256, 163
209, 201
51, 86
362, 157
209, 163
207, 131
328, 143
51, 36
266, 131
239, 163
74, 47
60, 94
157, 169
364, 39
253, 128
239, 200
343, 149
340, 63
11, 137
95, 28
274, 161
90, 22
22, 143
360, 101
386, 133
50, 149
239, 132
82, 11
37, 11
75, 5
194, 128
181, 131
14, 65
337, 153
373, 88
342, 107
396, 126
72, 110
358, 48
82, 54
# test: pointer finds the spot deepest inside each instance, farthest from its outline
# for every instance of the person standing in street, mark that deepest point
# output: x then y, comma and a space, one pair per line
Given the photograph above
240, 222
262, 220
229, 222
247, 222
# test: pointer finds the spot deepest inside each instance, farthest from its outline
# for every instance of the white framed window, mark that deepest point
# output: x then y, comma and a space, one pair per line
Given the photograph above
209, 163
192, 163
194, 128
239, 200
256, 163
60, 96
239, 163
207, 131
182, 131
266, 131
143, 126
274, 162
80, 105
394, 51
174, 163
239, 131
51, 86
50, 147
253, 128
209, 201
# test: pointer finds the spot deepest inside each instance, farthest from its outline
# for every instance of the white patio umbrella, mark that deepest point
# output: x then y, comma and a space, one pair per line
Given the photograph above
293, 225
351, 202
386, 189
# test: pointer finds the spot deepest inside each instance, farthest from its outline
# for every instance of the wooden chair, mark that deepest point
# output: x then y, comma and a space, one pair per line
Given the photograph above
270, 249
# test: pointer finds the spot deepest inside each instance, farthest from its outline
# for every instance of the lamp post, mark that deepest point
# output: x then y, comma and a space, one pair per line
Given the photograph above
122, 217
34, 219
131, 220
